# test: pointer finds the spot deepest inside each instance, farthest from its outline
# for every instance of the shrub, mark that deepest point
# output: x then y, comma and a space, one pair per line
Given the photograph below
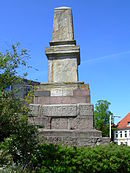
62, 159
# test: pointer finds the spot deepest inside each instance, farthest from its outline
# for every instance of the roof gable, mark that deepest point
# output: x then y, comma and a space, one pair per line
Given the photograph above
123, 124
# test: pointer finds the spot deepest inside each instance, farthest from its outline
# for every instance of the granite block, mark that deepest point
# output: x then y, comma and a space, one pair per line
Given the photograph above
42, 93
59, 110
86, 109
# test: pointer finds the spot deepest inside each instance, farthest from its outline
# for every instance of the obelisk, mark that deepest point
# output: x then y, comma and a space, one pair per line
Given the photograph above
63, 54
62, 107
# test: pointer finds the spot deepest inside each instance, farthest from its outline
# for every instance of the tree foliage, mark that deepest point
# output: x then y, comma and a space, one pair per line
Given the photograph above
17, 137
10, 62
101, 116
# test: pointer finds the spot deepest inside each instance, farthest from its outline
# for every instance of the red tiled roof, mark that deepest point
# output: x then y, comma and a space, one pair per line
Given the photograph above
123, 124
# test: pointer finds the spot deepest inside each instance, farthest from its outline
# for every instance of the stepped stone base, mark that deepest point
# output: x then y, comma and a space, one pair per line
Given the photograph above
70, 124
74, 137
64, 114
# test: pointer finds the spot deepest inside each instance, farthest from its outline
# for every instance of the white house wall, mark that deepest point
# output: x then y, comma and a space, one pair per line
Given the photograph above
122, 140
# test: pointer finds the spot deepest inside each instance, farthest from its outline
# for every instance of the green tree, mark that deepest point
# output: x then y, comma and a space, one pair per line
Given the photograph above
101, 116
18, 138
10, 108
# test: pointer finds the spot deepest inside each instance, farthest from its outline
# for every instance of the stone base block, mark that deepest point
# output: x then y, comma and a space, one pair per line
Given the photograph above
63, 116
62, 89
73, 137
43, 100
62, 93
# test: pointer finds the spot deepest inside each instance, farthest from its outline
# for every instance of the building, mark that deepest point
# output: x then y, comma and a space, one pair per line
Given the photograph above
122, 133
21, 89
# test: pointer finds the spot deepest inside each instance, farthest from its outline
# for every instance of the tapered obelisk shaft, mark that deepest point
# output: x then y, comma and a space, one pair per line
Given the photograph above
63, 24
63, 54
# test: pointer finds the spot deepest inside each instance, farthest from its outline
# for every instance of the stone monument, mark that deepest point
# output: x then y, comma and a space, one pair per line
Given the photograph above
62, 106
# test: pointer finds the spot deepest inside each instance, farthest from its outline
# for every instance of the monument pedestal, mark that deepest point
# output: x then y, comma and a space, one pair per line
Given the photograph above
65, 115
62, 107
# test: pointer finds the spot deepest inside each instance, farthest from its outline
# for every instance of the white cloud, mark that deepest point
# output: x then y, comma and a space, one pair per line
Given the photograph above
115, 55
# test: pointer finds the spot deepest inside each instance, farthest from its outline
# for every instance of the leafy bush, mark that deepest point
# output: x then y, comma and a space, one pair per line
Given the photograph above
62, 159
21, 145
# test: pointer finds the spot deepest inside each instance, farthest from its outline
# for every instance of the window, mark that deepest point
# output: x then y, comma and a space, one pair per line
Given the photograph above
125, 133
120, 134
128, 123
116, 134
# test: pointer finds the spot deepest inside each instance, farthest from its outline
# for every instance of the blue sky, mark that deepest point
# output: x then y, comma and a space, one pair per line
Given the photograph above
101, 28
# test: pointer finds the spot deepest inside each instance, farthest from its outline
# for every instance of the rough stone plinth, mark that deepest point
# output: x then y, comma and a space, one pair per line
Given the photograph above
73, 137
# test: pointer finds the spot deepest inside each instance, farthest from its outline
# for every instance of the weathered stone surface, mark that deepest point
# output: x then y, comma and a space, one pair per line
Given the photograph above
59, 110
61, 92
72, 137
59, 123
62, 70
64, 42
78, 130
64, 116
83, 117
35, 109
67, 92
63, 54
62, 85
62, 89
42, 93
78, 90
85, 123
61, 100
62, 24
85, 109
81, 123
57, 92
81, 92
